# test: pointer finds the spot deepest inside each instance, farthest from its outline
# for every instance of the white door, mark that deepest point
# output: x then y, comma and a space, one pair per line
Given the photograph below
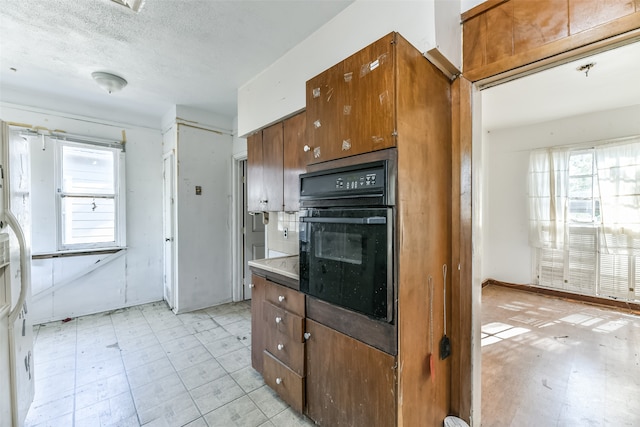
253, 236
169, 228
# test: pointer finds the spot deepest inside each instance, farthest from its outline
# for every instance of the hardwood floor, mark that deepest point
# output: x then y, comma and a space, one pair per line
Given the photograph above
551, 362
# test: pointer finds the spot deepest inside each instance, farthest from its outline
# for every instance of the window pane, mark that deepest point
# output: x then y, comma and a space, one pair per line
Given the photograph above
87, 170
88, 220
581, 164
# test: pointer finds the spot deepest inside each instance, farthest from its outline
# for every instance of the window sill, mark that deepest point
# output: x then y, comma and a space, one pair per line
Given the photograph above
78, 252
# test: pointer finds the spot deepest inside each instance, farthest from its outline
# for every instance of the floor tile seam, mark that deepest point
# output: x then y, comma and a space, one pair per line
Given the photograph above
236, 399
287, 406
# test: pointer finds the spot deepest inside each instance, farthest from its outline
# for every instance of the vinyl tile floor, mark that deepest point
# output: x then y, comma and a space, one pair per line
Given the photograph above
146, 366
552, 362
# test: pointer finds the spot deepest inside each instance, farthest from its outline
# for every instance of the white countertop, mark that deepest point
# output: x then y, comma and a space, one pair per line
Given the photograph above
286, 266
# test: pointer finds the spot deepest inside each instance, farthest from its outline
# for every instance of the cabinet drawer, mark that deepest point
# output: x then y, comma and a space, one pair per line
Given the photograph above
288, 384
288, 351
283, 322
286, 298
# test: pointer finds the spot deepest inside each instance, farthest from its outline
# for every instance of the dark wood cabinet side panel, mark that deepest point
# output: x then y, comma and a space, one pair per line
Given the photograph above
585, 14
254, 172
424, 197
295, 159
368, 398
258, 327
539, 22
272, 156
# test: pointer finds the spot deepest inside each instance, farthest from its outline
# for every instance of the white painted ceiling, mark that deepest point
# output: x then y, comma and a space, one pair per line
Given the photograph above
173, 52
563, 91
198, 52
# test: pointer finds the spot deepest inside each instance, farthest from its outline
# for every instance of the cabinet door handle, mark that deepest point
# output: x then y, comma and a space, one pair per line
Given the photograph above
307, 335
251, 286
278, 319
280, 347
281, 298
306, 148
278, 381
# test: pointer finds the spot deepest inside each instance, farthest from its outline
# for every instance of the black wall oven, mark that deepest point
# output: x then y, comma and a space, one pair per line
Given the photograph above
346, 237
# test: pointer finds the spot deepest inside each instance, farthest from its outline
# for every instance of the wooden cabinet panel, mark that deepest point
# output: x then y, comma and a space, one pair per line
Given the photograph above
288, 385
295, 159
272, 164
258, 327
351, 106
474, 40
285, 348
539, 22
255, 188
286, 298
586, 14
324, 108
348, 383
499, 37
368, 119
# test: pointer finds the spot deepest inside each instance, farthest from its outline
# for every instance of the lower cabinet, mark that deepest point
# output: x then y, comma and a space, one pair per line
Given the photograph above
277, 338
348, 383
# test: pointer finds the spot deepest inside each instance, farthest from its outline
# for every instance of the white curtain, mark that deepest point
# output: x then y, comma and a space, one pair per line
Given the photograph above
548, 190
619, 185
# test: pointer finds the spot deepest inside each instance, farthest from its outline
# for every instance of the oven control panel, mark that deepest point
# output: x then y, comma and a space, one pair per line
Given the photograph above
357, 181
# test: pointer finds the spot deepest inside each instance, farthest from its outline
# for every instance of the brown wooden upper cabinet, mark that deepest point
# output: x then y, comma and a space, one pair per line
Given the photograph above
351, 106
275, 159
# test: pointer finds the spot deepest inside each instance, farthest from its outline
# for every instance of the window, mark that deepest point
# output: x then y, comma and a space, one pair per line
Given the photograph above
585, 218
91, 213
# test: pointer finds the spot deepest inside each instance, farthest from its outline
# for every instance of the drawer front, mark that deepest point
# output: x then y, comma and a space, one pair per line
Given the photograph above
288, 351
287, 324
285, 298
288, 384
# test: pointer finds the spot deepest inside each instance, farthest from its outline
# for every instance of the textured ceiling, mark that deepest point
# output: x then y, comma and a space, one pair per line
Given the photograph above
173, 52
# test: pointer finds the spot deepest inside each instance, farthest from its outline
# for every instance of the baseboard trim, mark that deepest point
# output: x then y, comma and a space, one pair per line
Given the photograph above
609, 303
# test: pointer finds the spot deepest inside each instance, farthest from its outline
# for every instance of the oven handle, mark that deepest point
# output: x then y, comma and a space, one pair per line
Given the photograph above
368, 221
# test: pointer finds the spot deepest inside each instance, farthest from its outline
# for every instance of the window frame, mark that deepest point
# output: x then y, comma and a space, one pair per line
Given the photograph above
118, 197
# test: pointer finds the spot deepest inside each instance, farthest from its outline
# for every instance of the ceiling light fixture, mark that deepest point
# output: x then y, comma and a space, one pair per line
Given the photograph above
135, 5
109, 82
586, 68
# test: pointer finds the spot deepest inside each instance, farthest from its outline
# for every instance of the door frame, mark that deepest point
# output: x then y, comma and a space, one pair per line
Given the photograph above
468, 168
171, 157
237, 246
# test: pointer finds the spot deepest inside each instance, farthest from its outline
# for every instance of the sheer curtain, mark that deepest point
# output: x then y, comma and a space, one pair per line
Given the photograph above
619, 184
548, 191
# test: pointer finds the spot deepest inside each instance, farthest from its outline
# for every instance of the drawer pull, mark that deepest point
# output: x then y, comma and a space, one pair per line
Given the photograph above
280, 347
306, 148
278, 319
307, 335
251, 286
281, 298
278, 381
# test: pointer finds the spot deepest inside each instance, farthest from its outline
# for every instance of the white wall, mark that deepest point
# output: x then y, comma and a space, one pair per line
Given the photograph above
506, 255
280, 89
131, 279
203, 221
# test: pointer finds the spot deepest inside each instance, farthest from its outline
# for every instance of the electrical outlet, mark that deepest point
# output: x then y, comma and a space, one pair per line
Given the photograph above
285, 233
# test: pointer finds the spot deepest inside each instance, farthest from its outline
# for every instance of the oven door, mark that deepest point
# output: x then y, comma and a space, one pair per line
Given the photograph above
346, 258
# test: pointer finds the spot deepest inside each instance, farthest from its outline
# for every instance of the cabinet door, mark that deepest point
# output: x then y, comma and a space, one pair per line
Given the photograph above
272, 166
370, 96
295, 159
348, 383
351, 106
258, 326
255, 185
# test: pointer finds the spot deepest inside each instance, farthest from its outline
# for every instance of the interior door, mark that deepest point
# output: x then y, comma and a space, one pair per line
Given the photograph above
253, 237
169, 228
